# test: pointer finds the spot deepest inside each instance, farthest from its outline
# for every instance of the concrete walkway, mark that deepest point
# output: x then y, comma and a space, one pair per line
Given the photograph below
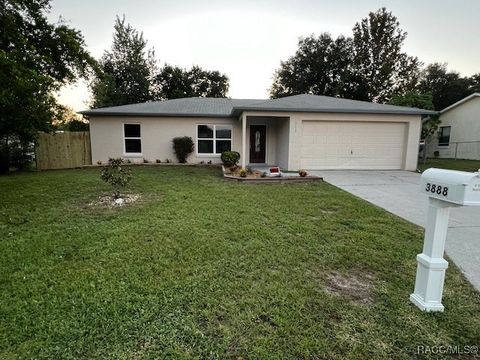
398, 192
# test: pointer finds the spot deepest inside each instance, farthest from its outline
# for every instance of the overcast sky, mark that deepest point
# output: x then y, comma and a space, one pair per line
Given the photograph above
247, 39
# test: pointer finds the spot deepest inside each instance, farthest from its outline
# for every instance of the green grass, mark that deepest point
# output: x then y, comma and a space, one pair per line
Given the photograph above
451, 164
204, 268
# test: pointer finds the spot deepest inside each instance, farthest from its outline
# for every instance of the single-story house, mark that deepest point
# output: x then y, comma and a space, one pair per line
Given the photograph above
294, 132
458, 135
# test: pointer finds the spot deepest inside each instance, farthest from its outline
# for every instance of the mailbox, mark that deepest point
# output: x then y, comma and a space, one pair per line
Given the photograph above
457, 187
445, 189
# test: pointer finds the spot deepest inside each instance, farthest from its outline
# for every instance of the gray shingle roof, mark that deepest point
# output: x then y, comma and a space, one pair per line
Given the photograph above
223, 107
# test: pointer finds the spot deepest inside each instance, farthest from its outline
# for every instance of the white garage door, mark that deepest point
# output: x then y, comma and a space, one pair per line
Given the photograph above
352, 145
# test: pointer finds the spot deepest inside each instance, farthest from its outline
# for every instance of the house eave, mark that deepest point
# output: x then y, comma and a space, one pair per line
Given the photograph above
238, 111
140, 114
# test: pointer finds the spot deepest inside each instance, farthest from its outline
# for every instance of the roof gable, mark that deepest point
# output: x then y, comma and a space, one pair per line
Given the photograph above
460, 102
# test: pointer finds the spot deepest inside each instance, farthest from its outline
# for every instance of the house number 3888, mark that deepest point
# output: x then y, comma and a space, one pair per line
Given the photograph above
437, 189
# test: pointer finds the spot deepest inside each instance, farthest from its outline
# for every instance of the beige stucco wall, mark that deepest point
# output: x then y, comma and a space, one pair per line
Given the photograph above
283, 135
283, 142
157, 134
464, 120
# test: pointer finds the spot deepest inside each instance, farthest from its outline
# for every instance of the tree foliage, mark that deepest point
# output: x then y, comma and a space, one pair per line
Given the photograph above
380, 66
174, 82
447, 87
414, 99
130, 74
127, 69
321, 65
36, 59
368, 66
420, 101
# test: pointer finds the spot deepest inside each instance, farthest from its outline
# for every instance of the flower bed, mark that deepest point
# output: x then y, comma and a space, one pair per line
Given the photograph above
253, 175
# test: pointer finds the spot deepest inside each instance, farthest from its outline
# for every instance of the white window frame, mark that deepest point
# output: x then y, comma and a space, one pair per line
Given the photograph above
444, 145
131, 154
214, 139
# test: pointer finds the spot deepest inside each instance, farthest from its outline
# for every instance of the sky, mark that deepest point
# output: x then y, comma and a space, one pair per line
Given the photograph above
247, 39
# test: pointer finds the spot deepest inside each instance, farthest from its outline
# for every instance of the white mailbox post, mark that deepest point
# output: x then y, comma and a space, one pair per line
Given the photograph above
445, 189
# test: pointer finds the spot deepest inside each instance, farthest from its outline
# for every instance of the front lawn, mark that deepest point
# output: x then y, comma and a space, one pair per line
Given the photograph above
451, 164
204, 268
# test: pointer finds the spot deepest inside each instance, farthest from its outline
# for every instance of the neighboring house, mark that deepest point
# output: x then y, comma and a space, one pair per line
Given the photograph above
294, 132
458, 135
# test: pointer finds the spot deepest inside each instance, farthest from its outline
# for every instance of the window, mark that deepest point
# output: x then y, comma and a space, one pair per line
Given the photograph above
444, 136
132, 138
213, 139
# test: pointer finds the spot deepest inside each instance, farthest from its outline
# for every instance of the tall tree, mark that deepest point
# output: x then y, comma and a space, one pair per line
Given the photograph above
127, 69
36, 59
380, 67
447, 87
321, 66
174, 82
370, 66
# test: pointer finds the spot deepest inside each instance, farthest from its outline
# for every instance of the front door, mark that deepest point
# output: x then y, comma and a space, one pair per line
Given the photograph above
258, 137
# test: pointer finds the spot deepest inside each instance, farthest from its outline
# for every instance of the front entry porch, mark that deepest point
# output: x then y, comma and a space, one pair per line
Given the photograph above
264, 141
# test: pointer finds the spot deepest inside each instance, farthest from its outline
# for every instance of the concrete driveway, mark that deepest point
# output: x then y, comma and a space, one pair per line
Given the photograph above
398, 192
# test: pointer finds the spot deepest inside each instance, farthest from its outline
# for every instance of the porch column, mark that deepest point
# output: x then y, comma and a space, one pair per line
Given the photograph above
244, 141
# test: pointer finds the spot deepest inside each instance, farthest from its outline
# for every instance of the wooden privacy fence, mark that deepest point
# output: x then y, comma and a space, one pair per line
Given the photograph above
63, 150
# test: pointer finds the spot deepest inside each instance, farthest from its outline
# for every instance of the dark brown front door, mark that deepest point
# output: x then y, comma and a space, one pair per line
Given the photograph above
258, 136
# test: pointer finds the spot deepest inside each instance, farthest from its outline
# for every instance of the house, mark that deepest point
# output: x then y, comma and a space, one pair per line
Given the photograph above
458, 135
294, 132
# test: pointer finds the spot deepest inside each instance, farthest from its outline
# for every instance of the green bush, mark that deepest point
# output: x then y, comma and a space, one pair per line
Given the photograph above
183, 146
230, 158
16, 153
116, 175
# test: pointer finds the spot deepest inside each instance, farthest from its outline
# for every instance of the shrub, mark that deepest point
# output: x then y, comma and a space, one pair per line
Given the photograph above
302, 173
16, 153
243, 173
158, 161
183, 146
230, 158
116, 175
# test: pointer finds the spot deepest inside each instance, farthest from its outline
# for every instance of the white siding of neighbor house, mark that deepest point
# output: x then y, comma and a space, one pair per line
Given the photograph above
157, 135
464, 120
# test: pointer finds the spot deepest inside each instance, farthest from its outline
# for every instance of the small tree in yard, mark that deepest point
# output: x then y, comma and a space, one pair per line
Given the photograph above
116, 175
183, 146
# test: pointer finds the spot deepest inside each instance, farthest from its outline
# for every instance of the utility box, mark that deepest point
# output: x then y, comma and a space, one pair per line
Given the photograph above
457, 187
